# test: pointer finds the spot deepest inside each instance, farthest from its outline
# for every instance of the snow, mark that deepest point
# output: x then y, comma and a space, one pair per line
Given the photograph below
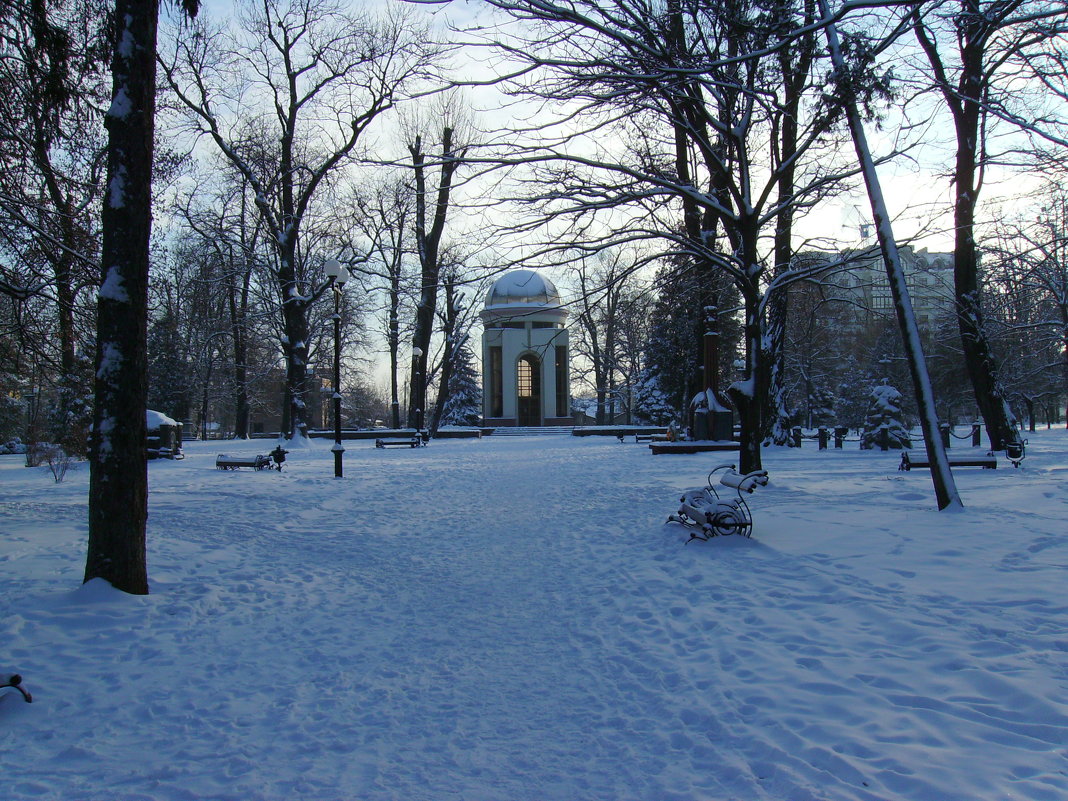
113, 288
121, 104
116, 200
154, 420
510, 619
127, 44
706, 399
104, 430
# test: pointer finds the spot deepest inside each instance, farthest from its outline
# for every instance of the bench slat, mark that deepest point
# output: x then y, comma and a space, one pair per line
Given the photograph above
909, 461
226, 462
746, 483
409, 442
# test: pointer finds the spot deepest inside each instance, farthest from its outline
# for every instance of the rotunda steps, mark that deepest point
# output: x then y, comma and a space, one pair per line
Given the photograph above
530, 431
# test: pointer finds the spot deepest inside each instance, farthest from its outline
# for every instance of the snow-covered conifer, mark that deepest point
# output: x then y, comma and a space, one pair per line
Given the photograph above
464, 406
884, 410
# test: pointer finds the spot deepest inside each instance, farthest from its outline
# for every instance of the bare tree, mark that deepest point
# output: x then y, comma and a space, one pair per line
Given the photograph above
381, 220
431, 211
941, 476
687, 86
223, 218
52, 87
981, 53
608, 329
1029, 268
287, 99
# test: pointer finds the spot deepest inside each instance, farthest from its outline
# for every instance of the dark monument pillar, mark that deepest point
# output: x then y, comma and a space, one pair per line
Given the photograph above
720, 423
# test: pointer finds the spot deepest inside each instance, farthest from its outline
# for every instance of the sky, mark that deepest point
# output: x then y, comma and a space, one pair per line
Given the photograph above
916, 185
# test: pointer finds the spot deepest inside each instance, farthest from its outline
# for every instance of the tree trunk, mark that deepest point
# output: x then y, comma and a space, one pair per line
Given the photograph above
966, 101
394, 348
238, 304
204, 398
296, 326
118, 481
748, 396
297, 332
946, 495
448, 358
428, 242
794, 62
978, 355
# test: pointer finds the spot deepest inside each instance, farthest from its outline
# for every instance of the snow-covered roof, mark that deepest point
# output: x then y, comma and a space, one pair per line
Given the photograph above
522, 288
153, 420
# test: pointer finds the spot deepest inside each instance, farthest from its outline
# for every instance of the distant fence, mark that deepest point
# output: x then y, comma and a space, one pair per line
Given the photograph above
823, 434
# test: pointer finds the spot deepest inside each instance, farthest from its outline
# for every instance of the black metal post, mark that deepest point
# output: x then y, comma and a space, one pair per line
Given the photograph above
823, 438
338, 449
839, 435
422, 404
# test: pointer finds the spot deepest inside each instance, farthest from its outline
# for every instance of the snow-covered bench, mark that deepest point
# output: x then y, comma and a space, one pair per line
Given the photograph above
650, 438
401, 442
911, 460
226, 462
706, 514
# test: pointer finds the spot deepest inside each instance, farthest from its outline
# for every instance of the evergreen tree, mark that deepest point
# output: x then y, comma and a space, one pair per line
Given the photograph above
673, 354
884, 408
464, 405
651, 404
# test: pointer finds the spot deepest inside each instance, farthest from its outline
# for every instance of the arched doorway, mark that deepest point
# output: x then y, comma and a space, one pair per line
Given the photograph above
528, 391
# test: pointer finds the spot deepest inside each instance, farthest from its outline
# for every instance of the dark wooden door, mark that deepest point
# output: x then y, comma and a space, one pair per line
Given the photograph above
528, 388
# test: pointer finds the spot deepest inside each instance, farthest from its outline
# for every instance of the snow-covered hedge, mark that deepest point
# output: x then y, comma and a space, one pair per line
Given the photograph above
14, 446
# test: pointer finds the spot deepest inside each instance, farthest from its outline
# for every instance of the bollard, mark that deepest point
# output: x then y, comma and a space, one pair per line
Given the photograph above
976, 434
944, 428
884, 437
796, 432
823, 438
839, 436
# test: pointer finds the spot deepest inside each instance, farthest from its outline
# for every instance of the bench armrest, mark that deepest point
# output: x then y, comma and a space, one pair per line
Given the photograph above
746, 483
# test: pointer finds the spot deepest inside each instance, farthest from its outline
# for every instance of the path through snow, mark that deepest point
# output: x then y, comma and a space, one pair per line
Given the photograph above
511, 619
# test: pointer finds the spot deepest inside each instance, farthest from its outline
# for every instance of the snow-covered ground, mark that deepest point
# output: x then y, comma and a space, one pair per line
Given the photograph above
512, 620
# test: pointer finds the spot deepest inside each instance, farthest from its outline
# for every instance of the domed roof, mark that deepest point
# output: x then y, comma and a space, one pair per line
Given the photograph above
523, 288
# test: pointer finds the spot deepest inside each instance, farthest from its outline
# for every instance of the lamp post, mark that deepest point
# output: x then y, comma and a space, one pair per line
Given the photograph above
420, 394
338, 275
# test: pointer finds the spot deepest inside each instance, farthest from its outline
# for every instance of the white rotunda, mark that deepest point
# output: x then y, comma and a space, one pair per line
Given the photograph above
526, 379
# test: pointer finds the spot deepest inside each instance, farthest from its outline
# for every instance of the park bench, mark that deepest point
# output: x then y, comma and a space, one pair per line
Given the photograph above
271, 461
14, 681
226, 462
399, 442
707, 514
644, 437
986, 461
650, 438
